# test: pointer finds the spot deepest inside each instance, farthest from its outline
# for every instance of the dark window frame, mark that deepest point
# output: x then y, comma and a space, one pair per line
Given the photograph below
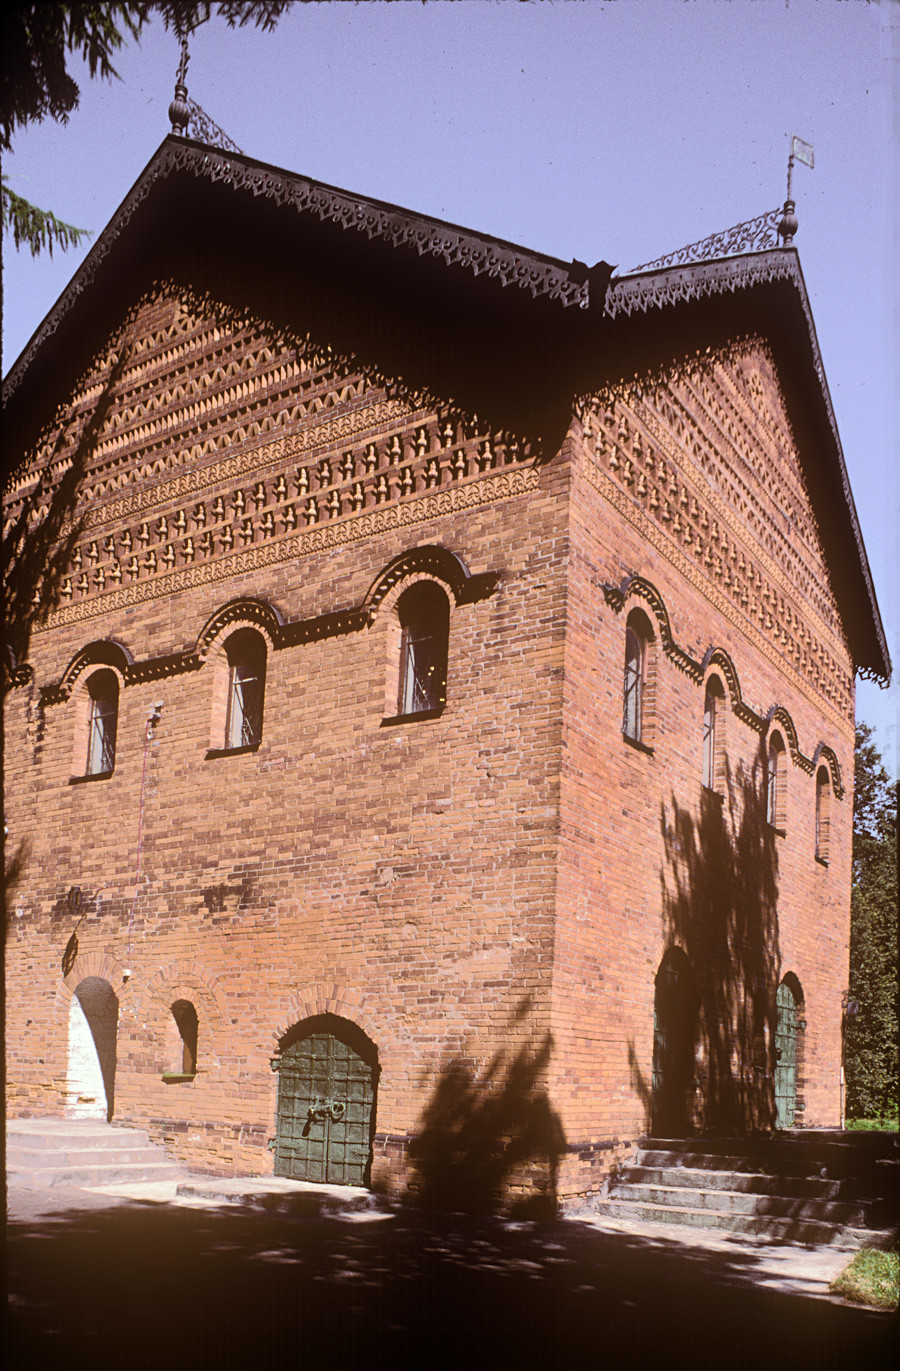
423, 611
245, 705
103, 723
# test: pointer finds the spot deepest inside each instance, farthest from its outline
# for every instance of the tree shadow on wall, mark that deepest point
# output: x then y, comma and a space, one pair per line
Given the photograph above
491, 1141
719, 902
39, 542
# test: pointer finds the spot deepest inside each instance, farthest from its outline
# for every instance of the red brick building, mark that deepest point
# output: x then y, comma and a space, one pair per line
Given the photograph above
434, 768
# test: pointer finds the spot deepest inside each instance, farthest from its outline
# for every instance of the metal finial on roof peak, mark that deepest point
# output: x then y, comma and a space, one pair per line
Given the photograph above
180, 110
802, 152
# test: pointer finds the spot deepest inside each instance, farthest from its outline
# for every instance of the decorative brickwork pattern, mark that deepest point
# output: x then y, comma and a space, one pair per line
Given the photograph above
488, 889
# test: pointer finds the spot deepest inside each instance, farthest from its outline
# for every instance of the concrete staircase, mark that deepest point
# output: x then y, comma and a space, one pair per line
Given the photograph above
817, 1187
82, 1152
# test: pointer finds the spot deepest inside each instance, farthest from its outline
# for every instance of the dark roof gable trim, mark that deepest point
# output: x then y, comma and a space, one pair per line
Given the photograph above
568, 283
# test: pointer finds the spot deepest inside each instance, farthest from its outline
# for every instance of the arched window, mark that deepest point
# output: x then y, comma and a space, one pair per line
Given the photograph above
776, 780
185, 1016
424, 614
246, 653
713, 728
633, 697
823, 813
103, 692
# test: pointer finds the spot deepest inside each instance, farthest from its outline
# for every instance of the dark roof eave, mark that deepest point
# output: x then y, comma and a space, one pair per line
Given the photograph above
569, 284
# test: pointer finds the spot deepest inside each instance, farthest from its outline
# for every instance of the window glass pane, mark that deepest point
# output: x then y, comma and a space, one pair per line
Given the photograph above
246, 690
709, 741
772, 788
101, 753
631, 723
419, 687
822, 788
424, 616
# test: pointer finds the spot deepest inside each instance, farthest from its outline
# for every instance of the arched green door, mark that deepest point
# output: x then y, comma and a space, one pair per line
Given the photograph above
326, 1093
785, 1057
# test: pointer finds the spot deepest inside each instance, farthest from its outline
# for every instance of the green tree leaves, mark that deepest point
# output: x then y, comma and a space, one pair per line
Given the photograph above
871, 1054
36, 83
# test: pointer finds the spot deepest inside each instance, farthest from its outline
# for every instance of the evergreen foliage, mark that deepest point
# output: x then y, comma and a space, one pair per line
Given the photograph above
871, 1050
35, 81
38, 229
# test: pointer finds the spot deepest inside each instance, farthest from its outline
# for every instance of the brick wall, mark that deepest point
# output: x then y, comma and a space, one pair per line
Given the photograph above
488, 893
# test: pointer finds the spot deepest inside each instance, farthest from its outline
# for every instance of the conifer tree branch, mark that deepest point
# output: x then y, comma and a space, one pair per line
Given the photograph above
38, 229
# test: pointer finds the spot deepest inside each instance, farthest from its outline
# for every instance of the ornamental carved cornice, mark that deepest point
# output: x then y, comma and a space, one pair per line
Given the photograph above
638, 587
670, 286
153, 578
434, 560
478, 254
639, 470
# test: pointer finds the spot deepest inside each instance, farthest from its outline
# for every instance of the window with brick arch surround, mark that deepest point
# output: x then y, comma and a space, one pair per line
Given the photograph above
776, 782
246, 654
823, 814
713, 734
424, 615
103, 691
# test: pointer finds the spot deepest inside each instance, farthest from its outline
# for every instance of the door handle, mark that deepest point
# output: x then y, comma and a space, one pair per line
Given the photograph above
323, 1109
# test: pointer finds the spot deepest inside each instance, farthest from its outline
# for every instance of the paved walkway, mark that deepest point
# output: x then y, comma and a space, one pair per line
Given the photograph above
248, 1273
728, 1259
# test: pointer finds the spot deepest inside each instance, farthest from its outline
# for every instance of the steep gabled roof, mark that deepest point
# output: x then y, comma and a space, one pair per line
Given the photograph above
505, 331
766, 291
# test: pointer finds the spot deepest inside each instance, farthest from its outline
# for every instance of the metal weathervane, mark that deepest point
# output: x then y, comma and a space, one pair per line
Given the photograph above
754, 235
800, 152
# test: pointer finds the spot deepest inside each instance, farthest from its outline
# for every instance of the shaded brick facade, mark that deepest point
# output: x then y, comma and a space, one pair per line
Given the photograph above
488, 890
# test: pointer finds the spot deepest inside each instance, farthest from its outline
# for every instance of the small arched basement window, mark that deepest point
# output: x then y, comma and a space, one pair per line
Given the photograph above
713, 730
183, 1043
424, 615
823, 814
246, 654
103, 718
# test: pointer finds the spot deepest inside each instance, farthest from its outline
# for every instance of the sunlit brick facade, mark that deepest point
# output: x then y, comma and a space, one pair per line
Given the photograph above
512, 900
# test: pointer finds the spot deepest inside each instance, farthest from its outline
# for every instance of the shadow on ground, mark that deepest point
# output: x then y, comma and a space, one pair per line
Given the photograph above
135, 1285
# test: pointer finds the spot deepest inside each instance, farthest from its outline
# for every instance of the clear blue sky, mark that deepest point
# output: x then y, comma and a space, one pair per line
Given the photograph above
616, 129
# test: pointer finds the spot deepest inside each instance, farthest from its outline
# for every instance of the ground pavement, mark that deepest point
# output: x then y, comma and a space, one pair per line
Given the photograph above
248, 1274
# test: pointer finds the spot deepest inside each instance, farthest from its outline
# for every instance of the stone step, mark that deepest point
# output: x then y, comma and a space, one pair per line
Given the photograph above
793, 1187
824, 1151
277, 1194
54, 1133
19, 1157
82, 1152
741, 1203
774, 1228
755, 1164
109, 1173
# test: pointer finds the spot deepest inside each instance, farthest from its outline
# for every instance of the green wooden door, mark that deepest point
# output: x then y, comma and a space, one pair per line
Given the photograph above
325, 1098
785, 1058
